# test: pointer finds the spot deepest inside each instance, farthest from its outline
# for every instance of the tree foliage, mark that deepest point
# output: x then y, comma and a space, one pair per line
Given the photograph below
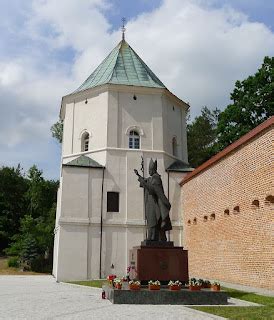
13, 204
253, 103
201, 137
33, 237
57, 130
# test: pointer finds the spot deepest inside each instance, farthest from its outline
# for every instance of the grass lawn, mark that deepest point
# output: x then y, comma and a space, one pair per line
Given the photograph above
6, 270
91, 283
241, 313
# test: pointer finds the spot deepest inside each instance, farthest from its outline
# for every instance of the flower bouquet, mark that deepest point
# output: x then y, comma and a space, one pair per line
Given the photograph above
154, 285
110, 278
174, 286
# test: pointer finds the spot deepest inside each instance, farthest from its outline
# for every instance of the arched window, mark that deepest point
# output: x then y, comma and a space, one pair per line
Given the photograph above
174, 147
134, 140
85, 142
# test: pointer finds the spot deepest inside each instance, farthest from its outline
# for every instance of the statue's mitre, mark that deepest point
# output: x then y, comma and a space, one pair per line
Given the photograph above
153, 165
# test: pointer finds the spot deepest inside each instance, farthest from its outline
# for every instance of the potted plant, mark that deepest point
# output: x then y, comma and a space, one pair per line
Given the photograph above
194, 285
154, 285
174, 286
215, 286
134, 285
206, 284
201, 282
117, 283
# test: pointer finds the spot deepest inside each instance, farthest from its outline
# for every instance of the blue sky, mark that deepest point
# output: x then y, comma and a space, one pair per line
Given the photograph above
198, 48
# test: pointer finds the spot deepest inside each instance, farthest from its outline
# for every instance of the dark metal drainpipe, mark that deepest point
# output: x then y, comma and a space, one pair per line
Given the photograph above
101, 225
168, 235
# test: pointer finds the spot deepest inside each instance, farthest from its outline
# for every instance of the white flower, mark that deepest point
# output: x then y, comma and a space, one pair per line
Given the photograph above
155, 283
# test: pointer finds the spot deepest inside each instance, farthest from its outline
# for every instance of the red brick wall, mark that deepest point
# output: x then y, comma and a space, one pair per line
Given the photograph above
239, 247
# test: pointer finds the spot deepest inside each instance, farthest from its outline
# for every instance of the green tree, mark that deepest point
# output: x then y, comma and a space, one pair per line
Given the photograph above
253, 103
41, 193
13, 204
57, 130
36, 233
201, 137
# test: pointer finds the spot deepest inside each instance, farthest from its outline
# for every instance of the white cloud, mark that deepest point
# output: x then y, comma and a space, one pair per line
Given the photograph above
11, 73
198, 51
69, 22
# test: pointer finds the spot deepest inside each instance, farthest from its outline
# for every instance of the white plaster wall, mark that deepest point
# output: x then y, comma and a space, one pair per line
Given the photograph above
91, 117
57, 230
175, 196
174, 125
68, 129
184, 136
114, 244
75, 192
72, 255
94, 251
145, 112
135, 194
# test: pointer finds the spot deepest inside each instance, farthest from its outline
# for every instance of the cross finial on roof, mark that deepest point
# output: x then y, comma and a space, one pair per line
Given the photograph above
123, 28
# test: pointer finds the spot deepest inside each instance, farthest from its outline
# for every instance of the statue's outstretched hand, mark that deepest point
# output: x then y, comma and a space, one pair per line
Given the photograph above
136, 172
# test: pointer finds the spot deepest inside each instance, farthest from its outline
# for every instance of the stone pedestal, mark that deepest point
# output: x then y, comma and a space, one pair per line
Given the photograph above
156, 262
165, 296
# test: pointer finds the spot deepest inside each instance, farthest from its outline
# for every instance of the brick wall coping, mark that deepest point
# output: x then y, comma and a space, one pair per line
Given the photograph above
232, 147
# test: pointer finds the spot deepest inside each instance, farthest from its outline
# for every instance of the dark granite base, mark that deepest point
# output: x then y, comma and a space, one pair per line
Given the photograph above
165, 296
149, 243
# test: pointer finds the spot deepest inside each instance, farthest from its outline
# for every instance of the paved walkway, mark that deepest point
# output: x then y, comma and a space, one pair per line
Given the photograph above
40, 297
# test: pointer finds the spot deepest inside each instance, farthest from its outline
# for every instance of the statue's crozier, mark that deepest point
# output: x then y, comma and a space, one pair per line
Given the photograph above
157, 205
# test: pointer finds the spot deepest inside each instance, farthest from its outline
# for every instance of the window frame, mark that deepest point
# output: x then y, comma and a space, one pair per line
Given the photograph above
113, 208
174, 147
134, 139
85, 141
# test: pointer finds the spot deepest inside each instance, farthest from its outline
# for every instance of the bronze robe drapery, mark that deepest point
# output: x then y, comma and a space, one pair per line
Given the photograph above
157, 205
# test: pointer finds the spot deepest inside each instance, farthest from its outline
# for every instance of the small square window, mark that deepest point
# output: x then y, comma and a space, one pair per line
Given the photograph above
113, 202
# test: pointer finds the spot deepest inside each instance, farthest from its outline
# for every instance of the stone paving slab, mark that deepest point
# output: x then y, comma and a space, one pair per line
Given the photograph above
40, 297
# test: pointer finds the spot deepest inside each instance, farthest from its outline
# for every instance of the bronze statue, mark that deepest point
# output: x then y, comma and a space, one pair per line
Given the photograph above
157, 205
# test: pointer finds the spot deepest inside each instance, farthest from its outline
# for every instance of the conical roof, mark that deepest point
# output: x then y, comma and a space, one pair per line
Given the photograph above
122, 66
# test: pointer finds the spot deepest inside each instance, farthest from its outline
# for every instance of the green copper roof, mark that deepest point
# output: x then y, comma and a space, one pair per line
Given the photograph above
83, 161
179, 166
122, 66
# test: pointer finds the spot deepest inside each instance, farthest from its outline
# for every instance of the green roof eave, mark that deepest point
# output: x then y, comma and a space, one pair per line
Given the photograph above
179, 166
83, 161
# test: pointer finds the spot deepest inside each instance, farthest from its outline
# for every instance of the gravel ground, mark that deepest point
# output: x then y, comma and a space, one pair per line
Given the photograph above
40, 297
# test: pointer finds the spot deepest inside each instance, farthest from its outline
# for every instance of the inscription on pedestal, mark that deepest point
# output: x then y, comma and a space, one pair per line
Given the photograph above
160, 263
